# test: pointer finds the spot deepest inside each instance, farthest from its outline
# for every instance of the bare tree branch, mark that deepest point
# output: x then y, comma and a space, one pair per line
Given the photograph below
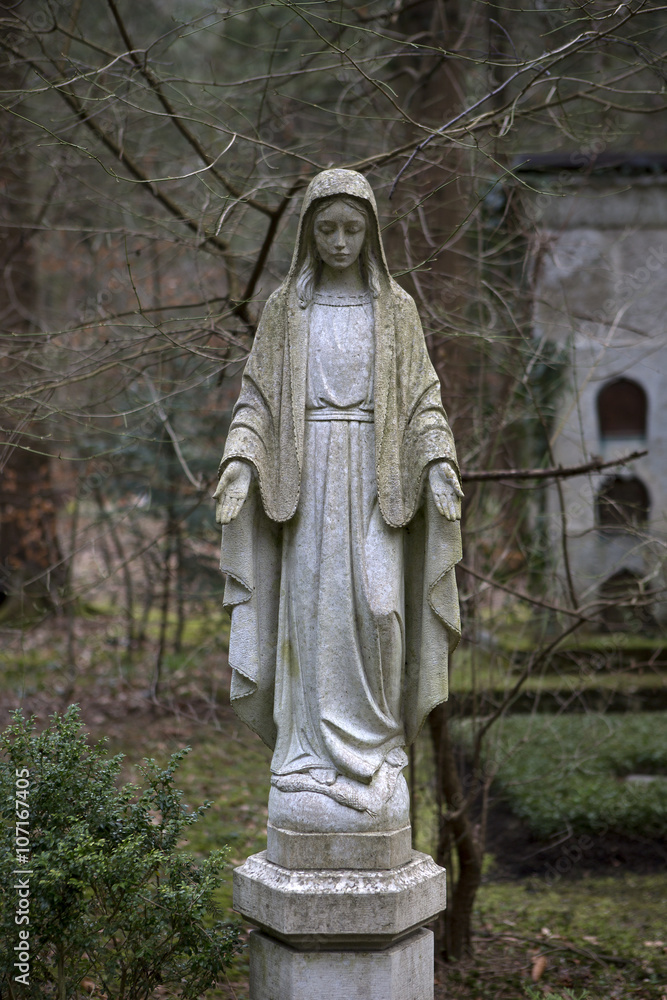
556, 472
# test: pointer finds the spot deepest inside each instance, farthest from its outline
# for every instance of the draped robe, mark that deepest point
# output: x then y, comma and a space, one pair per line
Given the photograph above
409, 432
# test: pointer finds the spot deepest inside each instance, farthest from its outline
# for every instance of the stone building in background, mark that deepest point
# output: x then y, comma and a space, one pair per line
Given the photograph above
600, 295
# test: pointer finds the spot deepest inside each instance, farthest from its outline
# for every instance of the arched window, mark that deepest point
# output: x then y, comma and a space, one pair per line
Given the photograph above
622, 504
624, 603
622, 409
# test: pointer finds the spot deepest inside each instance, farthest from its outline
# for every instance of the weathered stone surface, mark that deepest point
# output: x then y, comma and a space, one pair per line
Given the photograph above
370, 850
339, 497
403, 971
312, 812
599, 296
347, 908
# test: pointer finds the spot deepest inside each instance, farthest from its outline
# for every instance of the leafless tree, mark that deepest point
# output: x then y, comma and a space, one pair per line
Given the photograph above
151, 165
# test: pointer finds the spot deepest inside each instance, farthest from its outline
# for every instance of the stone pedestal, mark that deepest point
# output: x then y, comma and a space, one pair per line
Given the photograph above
404, 971
368, 851
341, 933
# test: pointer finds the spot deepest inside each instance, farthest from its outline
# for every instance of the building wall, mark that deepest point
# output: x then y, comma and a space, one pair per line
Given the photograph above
601, 294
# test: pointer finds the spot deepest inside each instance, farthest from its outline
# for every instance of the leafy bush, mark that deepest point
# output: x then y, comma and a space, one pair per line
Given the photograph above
565, 772
112, 902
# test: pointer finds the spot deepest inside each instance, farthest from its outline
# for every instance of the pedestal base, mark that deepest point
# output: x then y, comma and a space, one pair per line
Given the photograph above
403, 971
340, 934
316, 851
339, 909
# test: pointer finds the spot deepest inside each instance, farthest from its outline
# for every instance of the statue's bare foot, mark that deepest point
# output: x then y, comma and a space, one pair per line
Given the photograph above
325, 775
348, 792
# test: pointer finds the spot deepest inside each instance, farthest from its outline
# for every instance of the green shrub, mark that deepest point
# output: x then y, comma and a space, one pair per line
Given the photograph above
565, 772
111, 899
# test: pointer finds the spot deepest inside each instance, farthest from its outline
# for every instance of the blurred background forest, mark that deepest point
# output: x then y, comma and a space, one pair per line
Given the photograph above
152, 161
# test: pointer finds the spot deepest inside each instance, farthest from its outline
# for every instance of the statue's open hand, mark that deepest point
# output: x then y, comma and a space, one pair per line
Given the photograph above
446, 490
232, 490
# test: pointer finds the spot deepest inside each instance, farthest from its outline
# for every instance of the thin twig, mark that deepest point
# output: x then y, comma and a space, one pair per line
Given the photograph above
565, 946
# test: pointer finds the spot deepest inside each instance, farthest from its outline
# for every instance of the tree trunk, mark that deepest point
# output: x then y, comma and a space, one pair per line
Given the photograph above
31, 571
165, 603
107, 520
180, 587
436, 244
455, 831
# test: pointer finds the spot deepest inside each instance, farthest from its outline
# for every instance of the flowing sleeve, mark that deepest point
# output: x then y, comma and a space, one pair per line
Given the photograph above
250, 559
432, 547
261, 430
432, 543
427, 436
262, 433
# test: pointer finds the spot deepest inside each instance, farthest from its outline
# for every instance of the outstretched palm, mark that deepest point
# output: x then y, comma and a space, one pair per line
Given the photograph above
232, 490
446, 490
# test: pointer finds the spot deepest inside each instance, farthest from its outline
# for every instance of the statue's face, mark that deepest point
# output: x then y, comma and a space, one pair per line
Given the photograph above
340, 232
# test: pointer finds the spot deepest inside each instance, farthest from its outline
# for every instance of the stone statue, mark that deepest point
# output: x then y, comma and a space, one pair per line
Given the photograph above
339, 496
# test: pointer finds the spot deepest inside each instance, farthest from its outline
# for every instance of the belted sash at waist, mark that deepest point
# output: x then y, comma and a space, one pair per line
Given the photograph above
333, 413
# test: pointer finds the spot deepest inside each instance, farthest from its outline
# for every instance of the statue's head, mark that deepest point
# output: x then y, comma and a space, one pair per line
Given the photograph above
336, 231
339, 227
347, 194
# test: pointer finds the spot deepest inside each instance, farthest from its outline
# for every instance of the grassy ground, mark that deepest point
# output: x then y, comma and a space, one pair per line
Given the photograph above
602, 937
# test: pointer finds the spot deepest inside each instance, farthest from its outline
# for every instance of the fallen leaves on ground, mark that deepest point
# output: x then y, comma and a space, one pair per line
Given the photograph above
539, 967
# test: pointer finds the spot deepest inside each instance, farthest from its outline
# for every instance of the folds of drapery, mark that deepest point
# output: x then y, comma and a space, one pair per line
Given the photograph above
251, 558
411, 432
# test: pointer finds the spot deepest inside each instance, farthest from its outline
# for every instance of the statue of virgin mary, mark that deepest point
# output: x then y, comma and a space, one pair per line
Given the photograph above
339, 497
